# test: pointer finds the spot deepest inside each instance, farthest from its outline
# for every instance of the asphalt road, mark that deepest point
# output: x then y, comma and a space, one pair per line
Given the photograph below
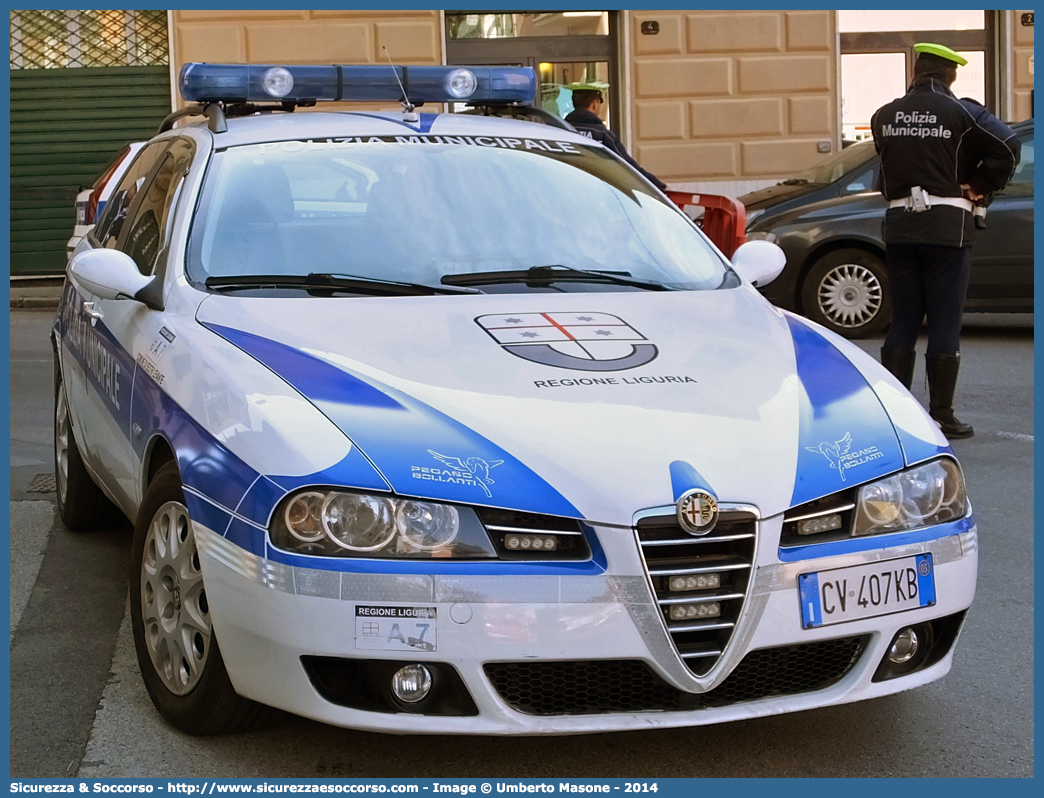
78, 707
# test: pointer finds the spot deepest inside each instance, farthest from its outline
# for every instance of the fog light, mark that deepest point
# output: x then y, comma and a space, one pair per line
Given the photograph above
690, 612
530, 542
700, 582
411, 684
904, 647
823, 523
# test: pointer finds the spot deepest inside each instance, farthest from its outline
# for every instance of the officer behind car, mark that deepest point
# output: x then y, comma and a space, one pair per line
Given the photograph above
587, 102
939, 157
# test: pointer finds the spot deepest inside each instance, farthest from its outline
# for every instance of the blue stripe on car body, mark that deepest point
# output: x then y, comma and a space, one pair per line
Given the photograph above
220, 487
108, 367
918, 450
685, 478
845, 437
254, 497
206, 465
206, 512
419, 450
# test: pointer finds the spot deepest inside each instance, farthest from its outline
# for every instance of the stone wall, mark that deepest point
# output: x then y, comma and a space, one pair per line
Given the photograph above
306, 37
1021, 67
734, 96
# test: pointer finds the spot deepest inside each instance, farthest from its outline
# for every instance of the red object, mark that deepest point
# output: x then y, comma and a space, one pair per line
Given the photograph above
724, 219
99, 184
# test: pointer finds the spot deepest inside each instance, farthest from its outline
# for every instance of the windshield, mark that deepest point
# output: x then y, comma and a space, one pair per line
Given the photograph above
848, 160
434, 207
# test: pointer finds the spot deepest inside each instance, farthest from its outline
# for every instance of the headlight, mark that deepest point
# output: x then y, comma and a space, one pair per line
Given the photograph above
927, 494
342, 524
921, 496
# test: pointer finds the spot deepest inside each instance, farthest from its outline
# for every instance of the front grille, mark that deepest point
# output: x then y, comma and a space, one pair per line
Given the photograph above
727, 551
593, 687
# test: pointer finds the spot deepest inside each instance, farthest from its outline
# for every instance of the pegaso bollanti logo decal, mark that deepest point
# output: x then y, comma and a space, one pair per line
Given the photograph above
841, 456
577, 341
458, 471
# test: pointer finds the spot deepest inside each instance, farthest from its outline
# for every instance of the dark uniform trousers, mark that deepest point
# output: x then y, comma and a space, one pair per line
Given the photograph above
931, 280
931, 142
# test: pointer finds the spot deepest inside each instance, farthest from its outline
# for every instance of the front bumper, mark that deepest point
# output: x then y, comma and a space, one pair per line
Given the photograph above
569, 632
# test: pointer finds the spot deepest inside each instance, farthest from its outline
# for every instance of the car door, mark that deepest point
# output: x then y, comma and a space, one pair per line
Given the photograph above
141, 230
1002, 258
94, 372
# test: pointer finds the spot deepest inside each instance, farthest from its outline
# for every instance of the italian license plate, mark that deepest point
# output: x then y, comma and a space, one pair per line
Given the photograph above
391, 628
866, 591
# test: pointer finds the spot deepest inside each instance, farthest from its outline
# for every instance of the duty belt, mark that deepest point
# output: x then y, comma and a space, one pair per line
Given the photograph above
920, 200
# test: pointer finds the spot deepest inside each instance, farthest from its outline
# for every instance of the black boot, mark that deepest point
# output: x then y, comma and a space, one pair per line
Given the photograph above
900, 362
942, 382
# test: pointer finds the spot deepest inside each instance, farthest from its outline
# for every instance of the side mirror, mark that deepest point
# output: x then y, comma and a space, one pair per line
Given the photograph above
111, 274
759, 262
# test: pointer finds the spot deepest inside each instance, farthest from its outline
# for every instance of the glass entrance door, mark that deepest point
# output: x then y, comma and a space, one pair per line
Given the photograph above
877, 58
563, 48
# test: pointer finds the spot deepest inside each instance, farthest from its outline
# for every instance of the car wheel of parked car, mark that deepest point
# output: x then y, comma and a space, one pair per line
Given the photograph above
178, 653
847, 292
82, 505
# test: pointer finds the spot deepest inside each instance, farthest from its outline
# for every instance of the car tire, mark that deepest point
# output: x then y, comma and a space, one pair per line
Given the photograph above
847, 292
82, 505
177, 650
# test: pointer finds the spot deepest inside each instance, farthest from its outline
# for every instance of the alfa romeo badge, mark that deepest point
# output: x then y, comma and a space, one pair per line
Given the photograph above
697, 512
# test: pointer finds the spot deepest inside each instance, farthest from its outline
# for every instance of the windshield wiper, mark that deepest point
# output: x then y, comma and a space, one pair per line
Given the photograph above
331, 282
536, 275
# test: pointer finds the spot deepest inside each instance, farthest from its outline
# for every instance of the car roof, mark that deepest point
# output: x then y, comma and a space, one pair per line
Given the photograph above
261, 128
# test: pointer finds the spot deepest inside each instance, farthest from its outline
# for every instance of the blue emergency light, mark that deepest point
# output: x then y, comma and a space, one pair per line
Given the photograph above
370, 83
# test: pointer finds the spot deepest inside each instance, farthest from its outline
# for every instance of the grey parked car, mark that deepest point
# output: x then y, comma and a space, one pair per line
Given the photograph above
853, 170
835, 272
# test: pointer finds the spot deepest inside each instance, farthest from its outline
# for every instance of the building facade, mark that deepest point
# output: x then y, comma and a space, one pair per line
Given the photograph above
710, 101
721, 101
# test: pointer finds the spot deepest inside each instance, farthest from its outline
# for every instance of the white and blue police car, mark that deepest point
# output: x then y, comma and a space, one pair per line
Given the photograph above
452, 423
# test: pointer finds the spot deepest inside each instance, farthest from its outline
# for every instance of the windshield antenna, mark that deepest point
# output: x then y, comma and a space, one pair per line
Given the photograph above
408, 112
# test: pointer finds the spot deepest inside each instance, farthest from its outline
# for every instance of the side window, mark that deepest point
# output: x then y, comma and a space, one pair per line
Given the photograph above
147, 233
862, 182
108, 228
1022, 180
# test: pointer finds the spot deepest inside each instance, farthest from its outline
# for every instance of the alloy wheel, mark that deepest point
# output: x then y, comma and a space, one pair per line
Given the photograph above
174, 605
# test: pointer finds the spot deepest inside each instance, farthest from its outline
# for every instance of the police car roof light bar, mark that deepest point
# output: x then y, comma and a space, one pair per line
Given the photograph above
233, 83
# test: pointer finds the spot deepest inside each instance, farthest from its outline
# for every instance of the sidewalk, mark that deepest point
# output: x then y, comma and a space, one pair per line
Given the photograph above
33, 293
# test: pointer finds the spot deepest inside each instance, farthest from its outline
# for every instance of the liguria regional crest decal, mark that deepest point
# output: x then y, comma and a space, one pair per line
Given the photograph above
577, 341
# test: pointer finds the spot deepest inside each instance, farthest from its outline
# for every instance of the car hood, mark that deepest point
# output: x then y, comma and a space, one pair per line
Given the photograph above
773, 195
635, 398
868, 204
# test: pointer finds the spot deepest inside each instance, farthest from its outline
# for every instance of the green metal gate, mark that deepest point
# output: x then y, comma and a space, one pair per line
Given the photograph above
83, 84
